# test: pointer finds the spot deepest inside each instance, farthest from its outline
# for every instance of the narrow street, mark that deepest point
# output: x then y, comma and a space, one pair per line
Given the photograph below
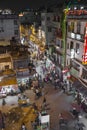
57, 102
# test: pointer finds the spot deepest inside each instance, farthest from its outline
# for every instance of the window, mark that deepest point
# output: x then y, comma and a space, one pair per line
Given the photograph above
1, 29
15, 22
26, 18
49, 29
16, 32
68, 62
59, 32
6, 66
58, 43
84, 74
68, 28
42, 18
84, 31
58, 18
72, 27
48, 18
1, 20
78, 27
71, 45
67, 45
77, 48
54, 18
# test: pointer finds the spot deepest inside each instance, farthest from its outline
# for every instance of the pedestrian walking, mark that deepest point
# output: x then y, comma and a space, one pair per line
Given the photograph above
32, 124
35, 107
75, 113
63, 88
61, 119
44, 102
78, 98
3, 102
55, 84
61, 116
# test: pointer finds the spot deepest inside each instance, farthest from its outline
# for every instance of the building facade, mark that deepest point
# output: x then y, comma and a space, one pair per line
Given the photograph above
5, 62
46, 26
52, 26
9, 26
76, 51
30, 17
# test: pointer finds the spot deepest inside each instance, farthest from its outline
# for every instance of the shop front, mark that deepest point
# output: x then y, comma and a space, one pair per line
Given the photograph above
8, 85
9, 89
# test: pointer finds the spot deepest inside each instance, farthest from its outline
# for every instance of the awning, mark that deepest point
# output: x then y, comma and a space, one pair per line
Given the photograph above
8, 81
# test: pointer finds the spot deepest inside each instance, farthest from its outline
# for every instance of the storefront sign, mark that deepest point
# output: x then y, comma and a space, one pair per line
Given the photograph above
45, 119
84, 59
77, 12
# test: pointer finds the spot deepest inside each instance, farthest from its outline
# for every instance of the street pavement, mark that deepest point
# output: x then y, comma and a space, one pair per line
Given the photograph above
10, 100
57, 101
61, 103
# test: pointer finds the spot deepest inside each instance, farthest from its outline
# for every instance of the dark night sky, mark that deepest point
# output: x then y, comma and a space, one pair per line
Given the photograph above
23, 4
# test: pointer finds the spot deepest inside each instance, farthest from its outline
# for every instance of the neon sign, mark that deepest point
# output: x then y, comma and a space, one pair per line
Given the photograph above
84, 59
77, 12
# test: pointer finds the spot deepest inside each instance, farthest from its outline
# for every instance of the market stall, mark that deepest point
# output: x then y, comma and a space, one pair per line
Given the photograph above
44, 119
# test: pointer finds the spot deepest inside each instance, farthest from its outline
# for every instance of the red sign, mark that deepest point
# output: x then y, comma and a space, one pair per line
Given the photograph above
77, 12
84, 59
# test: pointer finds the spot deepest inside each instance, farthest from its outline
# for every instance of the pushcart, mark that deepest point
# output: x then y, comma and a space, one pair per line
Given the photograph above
44, 120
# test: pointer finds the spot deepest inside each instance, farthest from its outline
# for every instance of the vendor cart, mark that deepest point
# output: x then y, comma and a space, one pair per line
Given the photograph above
44, 119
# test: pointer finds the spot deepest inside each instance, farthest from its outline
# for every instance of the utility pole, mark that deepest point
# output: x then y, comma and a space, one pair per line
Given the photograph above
64, 39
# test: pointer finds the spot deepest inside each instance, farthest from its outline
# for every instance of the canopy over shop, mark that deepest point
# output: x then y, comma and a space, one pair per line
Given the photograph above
8, 84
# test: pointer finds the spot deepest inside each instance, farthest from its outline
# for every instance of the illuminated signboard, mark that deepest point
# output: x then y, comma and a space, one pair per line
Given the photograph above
84, 59
78, 36
77, 12
72, 35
